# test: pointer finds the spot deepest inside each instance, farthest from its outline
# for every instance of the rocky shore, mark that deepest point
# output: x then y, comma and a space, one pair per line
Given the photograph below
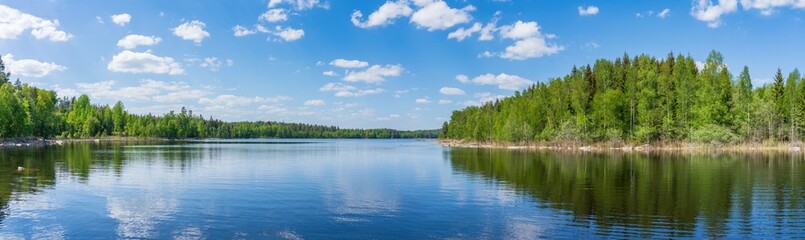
29, 142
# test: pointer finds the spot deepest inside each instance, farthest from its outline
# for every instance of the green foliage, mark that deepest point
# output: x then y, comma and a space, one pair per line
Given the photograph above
643, 99
713, 134
27, 111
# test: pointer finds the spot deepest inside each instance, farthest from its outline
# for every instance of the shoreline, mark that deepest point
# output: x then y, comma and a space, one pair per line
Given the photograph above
26, 142
623, 147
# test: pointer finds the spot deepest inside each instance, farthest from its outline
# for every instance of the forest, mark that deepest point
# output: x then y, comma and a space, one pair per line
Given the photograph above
27, 111
642, 99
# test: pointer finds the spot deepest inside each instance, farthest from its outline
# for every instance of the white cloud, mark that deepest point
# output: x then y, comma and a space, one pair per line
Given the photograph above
229, 100
461, 33
330, 73
213, 64
336, 87
452, 91
503, 81
13, 22
374, 74
147, 90
192, 31
289, 34
384, 15
462, 78
711, 13
134, 40
530, 42
314, 102
520, 30
665, 13
121, 19
390, 117
423, 100
588, 11
144, 62
766, 7
530, 48
298, 4
30, 67
445, 101
483, 98
241, 31
487, 30
707, 11
486, 54
343, 63
436, 15
274, 15
343, 90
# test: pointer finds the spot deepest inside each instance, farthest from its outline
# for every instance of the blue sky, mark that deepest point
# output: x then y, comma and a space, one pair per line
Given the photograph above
396, 64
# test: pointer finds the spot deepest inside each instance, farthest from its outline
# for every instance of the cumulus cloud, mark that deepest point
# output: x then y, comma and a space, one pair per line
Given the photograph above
314, 102
706, 11
588, 11
192, 31
711, 13
121, 19
146, 90
520, 30
530, 43
452, 91
437, 15
374, 74
288, 34
445, 101
30, 67
384, 15
298, 4
274, 15
502, 81
329, 73
144, 62
343, 63
241, 31
462, 78
13, 22
134, 40
343, 90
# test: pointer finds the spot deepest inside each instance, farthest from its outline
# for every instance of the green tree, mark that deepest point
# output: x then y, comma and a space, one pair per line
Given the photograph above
119, 118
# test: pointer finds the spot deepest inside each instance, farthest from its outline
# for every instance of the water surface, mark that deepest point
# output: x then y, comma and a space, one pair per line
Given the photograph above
390, 189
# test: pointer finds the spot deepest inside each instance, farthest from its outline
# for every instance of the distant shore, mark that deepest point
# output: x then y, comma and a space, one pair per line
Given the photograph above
625, 147
41, 142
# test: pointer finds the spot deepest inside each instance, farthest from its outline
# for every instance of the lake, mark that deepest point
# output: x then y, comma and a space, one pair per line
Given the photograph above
391, 189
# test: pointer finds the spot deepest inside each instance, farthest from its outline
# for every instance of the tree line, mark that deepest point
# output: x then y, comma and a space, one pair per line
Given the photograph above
27, 111
642, 99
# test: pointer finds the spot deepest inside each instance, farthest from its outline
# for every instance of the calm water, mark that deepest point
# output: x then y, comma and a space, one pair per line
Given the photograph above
391, 189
